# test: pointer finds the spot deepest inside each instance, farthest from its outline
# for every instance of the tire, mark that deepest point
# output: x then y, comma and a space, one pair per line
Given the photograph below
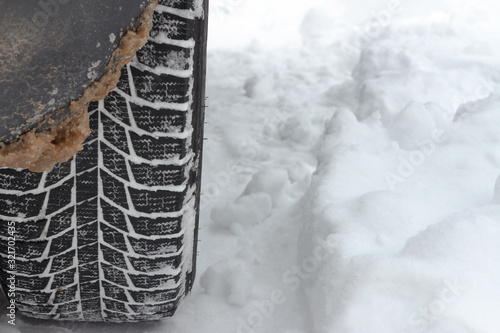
111, 235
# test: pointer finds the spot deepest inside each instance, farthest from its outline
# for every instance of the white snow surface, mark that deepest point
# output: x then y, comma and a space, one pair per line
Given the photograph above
351, 177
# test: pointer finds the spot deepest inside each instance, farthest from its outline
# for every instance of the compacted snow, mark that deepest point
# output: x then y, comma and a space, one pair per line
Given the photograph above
351, 172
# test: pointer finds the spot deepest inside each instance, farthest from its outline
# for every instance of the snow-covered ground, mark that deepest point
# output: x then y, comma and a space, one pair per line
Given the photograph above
351, 172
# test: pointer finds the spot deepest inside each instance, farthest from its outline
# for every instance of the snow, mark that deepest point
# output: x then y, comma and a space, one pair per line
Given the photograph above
112, 38
351, 176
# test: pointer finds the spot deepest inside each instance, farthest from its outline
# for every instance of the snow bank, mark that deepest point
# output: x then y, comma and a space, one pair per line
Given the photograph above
406, 197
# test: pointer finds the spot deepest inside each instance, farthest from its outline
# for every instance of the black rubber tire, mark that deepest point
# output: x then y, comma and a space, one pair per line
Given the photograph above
111, 235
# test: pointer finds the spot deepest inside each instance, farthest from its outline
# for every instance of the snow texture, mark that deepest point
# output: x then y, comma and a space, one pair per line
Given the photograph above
351, 173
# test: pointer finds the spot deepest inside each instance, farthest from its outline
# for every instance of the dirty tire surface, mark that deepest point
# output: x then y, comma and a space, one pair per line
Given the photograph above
51, 50
111, 234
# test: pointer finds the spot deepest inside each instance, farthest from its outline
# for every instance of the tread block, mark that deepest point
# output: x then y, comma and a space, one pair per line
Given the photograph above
33, 267
19, 180
88, 253
60, 222
113, 237
114, 189
123, 83
62, 243
155, 247
60, 196
87, 185
113, 216
161, 226
68, 307
93, 106
171, 26
60, 171
88, 291
63, 279
32, 297
179, 4
115, 306
114, 257
116, 316
115, 134
158, 148
63, 261
160, 88
88, 272
25, 307
174, 57
70, 316
152, 281
27, 250
28, 205
116, 105
91, 303
153, 120
32, 283
158, 175
86, 212
31, 229
66, 294
154, 308
152, 317
90, 315
114, 292
86, 159
114, 275
156, 201
87, 234
153, 265
114, 162
154, 296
